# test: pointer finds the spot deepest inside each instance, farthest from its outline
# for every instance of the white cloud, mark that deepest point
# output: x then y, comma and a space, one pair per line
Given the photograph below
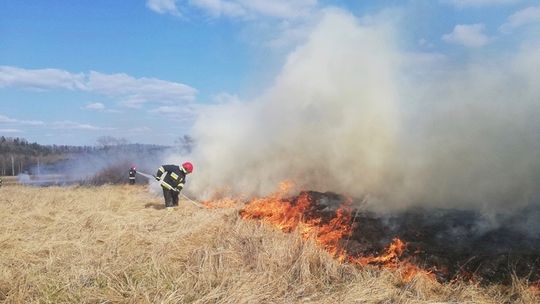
469, 35
284, 9
477, 3
137, 91
279, 8
10, 131
40, 78
277, 24
163, 6
72, 125
66, 124
177, 113
98, 106
522, 17
7, 120
218, 8
130, 90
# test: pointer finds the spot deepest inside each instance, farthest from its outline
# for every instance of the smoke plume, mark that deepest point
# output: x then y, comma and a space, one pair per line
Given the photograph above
100, 165
350, 112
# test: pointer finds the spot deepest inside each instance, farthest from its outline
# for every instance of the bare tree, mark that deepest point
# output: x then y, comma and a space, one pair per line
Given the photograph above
109, 141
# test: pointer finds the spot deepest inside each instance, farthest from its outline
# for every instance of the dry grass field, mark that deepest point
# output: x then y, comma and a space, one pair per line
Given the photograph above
8, 180
115, 244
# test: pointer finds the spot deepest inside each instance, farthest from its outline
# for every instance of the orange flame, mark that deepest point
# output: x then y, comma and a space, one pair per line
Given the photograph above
329, 235
278, 212
389, 258
289, 216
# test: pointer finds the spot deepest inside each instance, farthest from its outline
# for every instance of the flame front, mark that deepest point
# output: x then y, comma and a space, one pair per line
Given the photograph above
390, 257
329, 235
277, 211
290, 215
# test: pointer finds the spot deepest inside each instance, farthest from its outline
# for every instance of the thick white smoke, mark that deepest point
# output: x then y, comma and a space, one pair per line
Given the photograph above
353, 114
473, 139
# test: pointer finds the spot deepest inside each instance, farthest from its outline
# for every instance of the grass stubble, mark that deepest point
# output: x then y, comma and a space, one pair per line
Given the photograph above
115, 244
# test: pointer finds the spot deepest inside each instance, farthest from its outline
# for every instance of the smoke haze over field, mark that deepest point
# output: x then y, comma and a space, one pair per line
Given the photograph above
105, 164
351, 112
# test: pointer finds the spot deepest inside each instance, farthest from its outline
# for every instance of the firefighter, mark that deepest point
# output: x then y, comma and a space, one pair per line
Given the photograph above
132, 173
0, 182
172, 178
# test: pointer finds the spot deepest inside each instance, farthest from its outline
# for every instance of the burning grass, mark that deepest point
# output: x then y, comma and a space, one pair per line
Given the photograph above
117, 244
445, 245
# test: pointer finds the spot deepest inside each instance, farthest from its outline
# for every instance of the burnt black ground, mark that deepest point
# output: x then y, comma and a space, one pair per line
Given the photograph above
452, 243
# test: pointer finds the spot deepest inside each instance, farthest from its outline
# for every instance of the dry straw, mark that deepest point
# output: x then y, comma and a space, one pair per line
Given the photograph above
115, 244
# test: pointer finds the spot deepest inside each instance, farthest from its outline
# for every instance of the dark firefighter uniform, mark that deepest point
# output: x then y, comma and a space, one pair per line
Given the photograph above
172, 179
132, 173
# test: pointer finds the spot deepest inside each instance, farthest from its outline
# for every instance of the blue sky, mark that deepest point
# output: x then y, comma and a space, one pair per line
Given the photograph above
72, 71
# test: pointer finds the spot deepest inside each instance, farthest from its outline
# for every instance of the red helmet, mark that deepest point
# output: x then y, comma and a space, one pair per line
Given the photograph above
188, 167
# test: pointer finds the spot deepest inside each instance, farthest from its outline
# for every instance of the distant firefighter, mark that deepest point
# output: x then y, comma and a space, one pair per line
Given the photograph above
132, 173
172, 178
0, 182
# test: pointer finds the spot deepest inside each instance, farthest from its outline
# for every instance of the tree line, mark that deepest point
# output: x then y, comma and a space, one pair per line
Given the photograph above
17, 155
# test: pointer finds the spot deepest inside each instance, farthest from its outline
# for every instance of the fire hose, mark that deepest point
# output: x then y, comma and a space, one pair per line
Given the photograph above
153, 177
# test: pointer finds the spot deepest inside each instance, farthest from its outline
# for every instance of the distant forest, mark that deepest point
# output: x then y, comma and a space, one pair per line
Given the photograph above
17, 155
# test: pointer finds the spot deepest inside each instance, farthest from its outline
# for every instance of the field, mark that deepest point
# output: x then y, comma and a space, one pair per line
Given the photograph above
6, 180
116, 244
